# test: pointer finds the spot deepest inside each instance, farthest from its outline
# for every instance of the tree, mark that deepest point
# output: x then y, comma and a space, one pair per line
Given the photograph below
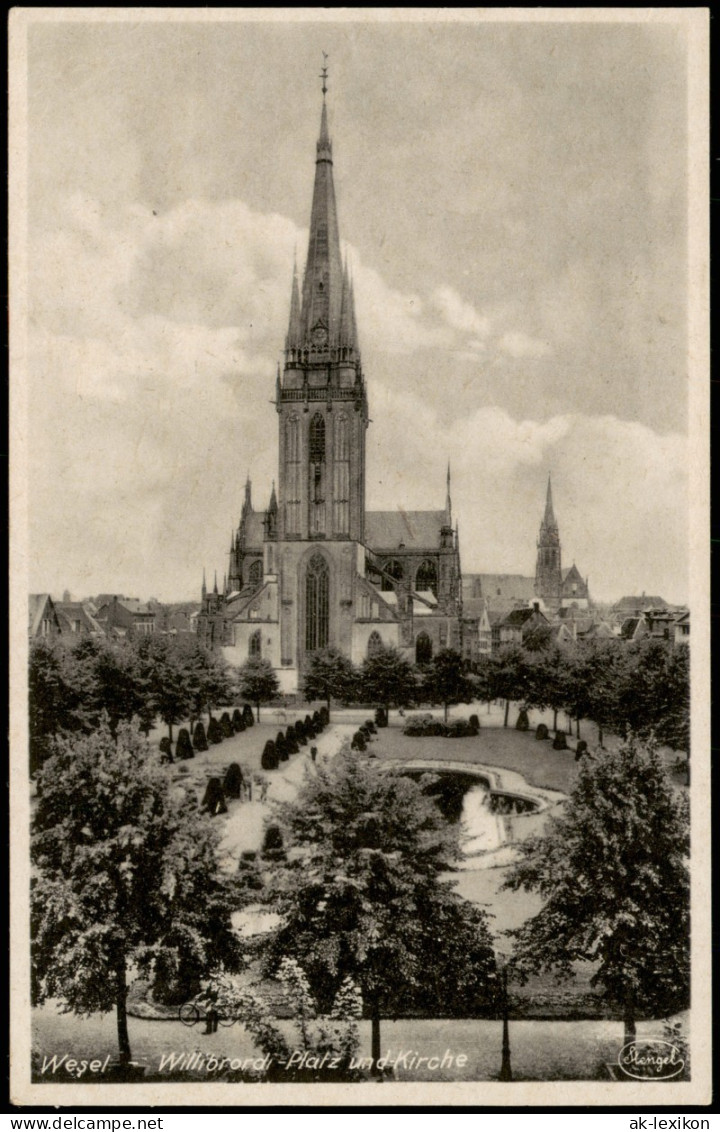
510, 677
125, 876
49, 701
446, 679
361, 895
330, 675
258, 683
386, 678
165, 670
614, 873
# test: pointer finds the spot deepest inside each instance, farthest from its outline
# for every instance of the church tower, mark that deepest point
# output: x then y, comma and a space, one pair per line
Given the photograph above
548, 572
321, 398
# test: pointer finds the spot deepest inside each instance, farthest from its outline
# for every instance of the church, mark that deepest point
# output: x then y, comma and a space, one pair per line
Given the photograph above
314, 568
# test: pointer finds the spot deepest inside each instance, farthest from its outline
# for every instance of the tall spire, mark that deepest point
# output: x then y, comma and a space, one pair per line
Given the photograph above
215, 589
448, 503
322, 284
204, 585
549, 519
293, 339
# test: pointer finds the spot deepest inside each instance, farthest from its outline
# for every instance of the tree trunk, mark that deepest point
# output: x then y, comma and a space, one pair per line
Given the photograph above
257, 709
507, 712
629, 1019
121, 1006
446, 712
554, 719
600, 735
170, 731
375, 1041
577, 728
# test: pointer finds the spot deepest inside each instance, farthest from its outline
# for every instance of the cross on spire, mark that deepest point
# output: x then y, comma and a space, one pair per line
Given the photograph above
324, 73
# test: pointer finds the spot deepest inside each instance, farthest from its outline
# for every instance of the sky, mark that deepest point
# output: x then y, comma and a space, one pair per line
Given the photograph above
512, 200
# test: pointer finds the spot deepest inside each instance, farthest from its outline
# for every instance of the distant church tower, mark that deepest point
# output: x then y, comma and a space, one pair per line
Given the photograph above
548, 571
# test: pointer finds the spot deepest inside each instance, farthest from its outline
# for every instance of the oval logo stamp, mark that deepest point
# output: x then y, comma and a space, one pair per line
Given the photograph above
652, 1059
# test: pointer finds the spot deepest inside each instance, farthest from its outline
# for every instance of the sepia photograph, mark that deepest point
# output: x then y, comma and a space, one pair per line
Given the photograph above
359, 501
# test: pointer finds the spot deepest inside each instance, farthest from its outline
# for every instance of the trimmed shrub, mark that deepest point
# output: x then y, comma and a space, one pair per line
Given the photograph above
300, 733
291, 742
269, 759
247, 714
215, 731
523, 723
233, 781
237, 720
324, 715
421, 726
309, 727
227, 727
581, 750
317, 722
474, 722
358, 742
166, 755
214, 798
199, 738
560, 741
541, 731
381, 717
184, 748
281, 747
372, 729
459, 729
273, 847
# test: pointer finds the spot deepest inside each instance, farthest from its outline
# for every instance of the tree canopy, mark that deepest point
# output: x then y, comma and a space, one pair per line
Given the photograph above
613, 870
361, 895
446, 679
257, 682
125, 876
387, 677
329, 675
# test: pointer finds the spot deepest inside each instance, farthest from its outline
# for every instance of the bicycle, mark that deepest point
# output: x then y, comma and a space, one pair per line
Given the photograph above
190, 1013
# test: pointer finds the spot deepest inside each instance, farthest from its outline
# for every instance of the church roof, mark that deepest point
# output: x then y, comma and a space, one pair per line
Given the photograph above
408, 530
501, 591
254, 529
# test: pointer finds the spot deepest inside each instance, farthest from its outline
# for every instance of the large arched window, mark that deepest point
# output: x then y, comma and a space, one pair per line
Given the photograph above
255, 573
255, 645
375, 644
392, 570
426, 577
341, 477
423, 649
317, 604
317, 474
292, 477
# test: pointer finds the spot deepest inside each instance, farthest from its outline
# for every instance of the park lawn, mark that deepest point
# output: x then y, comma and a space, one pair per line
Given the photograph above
502, 747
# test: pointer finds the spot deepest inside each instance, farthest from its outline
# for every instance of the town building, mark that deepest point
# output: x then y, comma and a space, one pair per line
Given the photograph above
315, 567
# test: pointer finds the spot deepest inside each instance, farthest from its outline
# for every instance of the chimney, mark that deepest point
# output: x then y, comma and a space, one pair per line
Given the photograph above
536, 606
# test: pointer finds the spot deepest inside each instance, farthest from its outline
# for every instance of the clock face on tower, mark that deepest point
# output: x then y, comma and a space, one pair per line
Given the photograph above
319, 335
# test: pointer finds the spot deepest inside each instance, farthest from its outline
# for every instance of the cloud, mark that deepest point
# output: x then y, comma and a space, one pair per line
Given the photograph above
620, 489
153, 345
519, 345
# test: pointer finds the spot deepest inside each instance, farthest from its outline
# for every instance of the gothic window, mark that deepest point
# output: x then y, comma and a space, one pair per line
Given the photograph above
426, 577
423, 649
255, 573
317, 475
374, 645
255, 645
394, 569
317, 440
341, 477
317, 604
292, 465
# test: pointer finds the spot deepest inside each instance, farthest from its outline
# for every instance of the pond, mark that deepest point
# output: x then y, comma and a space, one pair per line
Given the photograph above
494, 813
